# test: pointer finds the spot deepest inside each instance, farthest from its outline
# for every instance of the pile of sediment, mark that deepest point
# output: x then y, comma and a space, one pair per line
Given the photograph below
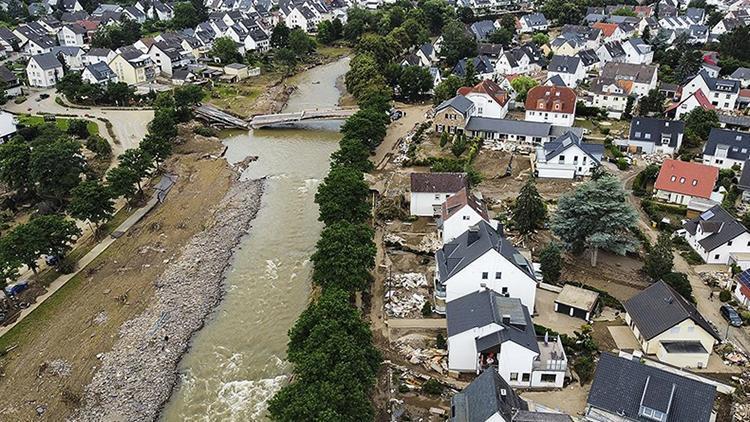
136, 378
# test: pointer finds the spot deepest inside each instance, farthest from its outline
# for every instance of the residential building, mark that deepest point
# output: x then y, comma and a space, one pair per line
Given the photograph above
133, 67
73, 35
569, 69
650, 135
488, 330
626, 390
527, 58
577, 302
489, 398
680, 181
98, 73
44, 70
590, 60
533, 22
726, 149
551, 104
722, 93
742, 75
451, 115
479, 257
610, 31
742, 288
520, 132
482, 66
168, 57
637, 51
8, 125
459, 212
612, 52
430, 190
12, 84
688, 103
9, 42
642, 77
482, 29
95, 55
567, 157
715, 235
488, 98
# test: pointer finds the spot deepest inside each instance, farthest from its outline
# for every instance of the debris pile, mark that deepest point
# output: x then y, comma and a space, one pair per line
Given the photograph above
429, 244
732, 355
655, 158
429, 358
716, 278
402, 301
508, 146
393, 240
137, 376
57, 368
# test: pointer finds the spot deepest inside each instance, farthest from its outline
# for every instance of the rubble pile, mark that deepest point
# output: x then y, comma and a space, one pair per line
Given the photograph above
429, 244
732, 355
402, 299
393, 240
655, 158
508, 146
136, 378
716, 278
429, 358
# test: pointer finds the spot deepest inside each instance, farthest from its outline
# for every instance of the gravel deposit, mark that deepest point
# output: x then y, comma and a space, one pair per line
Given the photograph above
136, 378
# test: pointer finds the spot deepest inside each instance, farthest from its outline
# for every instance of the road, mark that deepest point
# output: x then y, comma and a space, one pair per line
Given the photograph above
129, 126
708, 307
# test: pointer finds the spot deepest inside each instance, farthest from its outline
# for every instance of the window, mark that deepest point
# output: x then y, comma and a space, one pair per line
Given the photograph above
729, 243
549, 378
498, 275
466, 217
437, 196
647, 135
514, 376
673, 178
717, 256
695, 182
504, 291
484, 276
525, 377
682, 180
690, 329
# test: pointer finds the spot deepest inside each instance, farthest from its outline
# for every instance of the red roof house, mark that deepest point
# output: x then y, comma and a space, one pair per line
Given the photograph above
680, 181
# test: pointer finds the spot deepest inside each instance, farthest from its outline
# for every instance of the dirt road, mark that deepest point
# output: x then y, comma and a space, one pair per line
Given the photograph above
399, 129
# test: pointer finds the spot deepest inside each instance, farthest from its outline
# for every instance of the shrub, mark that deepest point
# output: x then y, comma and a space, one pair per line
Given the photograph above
432, 387
681, 284
19, 99
692, 257
622, 164
584, 367
98, 146
440, 342
403, 389
205, 131
725, 296
427, 309
66, 266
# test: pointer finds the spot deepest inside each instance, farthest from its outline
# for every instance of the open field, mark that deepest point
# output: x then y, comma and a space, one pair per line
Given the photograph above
62, 123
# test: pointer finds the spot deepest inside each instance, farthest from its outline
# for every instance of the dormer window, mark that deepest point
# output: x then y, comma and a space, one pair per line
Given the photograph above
673, 178
695, 182
682, 180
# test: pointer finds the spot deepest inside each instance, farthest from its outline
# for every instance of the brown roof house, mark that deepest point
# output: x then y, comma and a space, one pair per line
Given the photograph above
489, 99
551, 104
461, 211
430, 190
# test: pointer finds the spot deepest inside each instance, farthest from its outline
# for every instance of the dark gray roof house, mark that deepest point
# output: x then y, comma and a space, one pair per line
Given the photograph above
487, 395
482, 29
626, 389
659, 307
478, 125
554, 148
555, 80
47, 61
588, 57
7, 76
459, 253
736, 144
485, 307
741, 74
720, 85
482, 64
490, 50
439, 182
100, 71
720, 226
649, 129
459, 102
564, 64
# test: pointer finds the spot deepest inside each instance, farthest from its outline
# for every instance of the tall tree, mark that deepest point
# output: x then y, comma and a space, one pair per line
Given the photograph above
280, 35
698, 124
652, 104
225, 49
368, 125
352, 153
56, 167
43, 235
522, 85
447, 88
343, 196
659, 258
596, 215
457, 43
15, 156
364, 71
91, 201
122, 182
414, 82
529, 211
344, 257
550, 260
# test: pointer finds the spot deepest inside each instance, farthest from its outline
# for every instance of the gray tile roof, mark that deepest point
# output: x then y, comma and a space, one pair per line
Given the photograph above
488, 394
554, 148
732, 120
742, 73
720, 85
535, 19
637, 72
485, 307
564, 64
529, 416
508, 126
619, 386
725, 227
737, 142
588, 57
47, 61
482, 29
641, 126
659, 308
459, 102
439, 182
459, 253
101, 71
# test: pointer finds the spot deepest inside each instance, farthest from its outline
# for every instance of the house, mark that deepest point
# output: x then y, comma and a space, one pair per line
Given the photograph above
98, 73
479, 257
482, 29
72, 57
44, 70
168, 56
489, 330
637, 51
488, 98
742, 74
459, 212
133, 66
12, 84
612, 52
452, 115
680, 181
610, 31
489, 398
73, 35
650, 135
567, 157
520, 132
427, 55
624, 389
670, 327
38, 44
569, 69
726, 25
8, 127
722, 93
715, 235
687, 104
533, 22
95, 55
527, 58
482, 66
430, 190
742, 288
9, 42
155, 9
551, 104
726, 149
576, 302
69, 5
239, 70
134, 14
257, 40
642, 77
590, 60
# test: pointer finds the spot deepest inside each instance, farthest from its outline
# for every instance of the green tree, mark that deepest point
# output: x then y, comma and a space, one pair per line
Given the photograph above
550, 260
364, 71
652, 104
529, 211
225, 49
91, 201
659, 259
624, 11
734, 44
15, 156
501, 36
698, 124
376, 46
280, 35
414, 82
437, 13
352, 153
326, 32
139, 161
164, 124
457, 43
447, 88
159, 149
78, 128
522, 85
375, 97
540, 39
300, 43
185, 98
344, 257
343, 196
470, 75
596, 215
368, 125
55, 168
122, 182
119, 93
185, 15
43, 235
681, 284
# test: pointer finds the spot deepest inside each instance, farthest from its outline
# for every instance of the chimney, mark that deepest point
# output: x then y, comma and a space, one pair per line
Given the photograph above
506, 319
473, 235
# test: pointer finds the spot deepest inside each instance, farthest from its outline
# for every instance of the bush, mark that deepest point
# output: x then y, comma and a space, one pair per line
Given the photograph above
19, 99
680, 283
622, 164
205, 131
403, 389
584, 367
78, 128
427, 309
66, 266
725, 296
432, 387
98, 146
692, 257
440, 342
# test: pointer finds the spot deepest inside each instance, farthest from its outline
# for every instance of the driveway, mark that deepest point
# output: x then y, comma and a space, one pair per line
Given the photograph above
129, 126
556, 321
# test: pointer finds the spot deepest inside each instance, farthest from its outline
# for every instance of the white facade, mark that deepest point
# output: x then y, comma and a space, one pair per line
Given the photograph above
719, 99
486, 106
460, 221
720, 158
43, 78
572, 162
70, 38
687, 330
427, 204
556, 118
572, 77
720, 254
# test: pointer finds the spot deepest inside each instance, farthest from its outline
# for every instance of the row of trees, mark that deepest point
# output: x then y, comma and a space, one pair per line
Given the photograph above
79, 91
330, 345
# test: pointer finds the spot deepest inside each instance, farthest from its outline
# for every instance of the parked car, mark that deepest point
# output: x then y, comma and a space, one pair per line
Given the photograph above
730, 314
44, 96
16, 288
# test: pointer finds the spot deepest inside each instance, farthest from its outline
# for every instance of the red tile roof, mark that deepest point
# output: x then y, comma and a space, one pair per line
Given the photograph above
460, 199
607, 28
551, 98
700, 96
488, 87
687, 178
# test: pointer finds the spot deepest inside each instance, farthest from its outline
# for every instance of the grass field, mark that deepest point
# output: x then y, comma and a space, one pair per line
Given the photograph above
62, 123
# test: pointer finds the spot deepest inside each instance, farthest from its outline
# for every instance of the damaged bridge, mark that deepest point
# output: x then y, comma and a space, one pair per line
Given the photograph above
280, 119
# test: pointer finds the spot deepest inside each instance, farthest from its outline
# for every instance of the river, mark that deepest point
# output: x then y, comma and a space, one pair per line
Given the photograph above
237, 361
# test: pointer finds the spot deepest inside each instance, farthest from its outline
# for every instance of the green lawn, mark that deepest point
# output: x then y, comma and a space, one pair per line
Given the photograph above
62, 123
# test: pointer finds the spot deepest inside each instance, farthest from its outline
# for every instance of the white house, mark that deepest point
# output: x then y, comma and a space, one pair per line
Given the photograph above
488, 330
44, 70
715, 235
459, 212
8, 126
481, 256
569, 69
567, 157
98, 73
430, 190
722, 93
670, 327
531, 23
73, 35
726, 148
688, 103
95, 55
612, 52
637, 51
680, 181
168, 57
650, 135
488, 98
641, 78
551, 104
73, 56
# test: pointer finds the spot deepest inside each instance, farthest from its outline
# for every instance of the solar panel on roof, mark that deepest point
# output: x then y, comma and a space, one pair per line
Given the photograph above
744, 278
707, 215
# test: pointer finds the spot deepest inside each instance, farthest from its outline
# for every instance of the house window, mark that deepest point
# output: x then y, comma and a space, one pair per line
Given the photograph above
638, 134
466, 217
682, 180
514, 376
437, 196
717, 256
484, 276
549, 378
525, 377
729, 243
498, 275
673, 178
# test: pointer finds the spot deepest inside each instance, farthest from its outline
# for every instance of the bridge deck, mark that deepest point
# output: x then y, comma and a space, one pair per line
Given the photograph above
214, 115
286, 118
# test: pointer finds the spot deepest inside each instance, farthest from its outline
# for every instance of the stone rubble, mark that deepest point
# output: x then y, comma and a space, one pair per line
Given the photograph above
401, 300
137, 376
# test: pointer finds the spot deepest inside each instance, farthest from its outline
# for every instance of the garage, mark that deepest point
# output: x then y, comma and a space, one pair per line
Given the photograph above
576, 302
